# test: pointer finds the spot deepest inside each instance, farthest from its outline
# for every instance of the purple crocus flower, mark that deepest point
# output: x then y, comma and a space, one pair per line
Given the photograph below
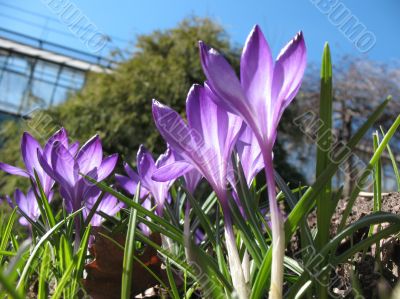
205, 144
66, 168
27, 203
265, 89
29, 149
146, 167
109, 205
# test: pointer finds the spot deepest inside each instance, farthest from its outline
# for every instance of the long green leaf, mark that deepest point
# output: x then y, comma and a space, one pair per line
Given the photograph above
44, 272
129, 251
7, 232
324, 144
394, 163
43, 202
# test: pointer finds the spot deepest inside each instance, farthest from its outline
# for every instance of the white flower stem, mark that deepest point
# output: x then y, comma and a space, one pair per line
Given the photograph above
278, 232
235, 265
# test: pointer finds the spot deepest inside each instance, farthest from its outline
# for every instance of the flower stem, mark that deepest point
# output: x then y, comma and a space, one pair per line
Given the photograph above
278, 232
235, 265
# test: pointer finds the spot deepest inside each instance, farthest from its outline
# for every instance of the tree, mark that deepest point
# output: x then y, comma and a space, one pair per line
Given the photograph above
117, 106
359, 86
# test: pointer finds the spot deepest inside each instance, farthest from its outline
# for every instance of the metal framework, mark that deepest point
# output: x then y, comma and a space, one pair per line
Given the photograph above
35, 74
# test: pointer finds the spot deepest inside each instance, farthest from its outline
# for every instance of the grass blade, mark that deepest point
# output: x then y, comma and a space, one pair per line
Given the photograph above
394, 163
129, 251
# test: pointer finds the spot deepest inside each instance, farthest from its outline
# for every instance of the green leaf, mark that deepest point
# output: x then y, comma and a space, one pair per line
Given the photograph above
80, 258
44, 272
324, 144
43, 202
248, 202
203, 218
129, 251
7, 233
394, 163
171, 280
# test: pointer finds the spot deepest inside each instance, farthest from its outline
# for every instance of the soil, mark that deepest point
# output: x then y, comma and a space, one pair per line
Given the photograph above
373, 280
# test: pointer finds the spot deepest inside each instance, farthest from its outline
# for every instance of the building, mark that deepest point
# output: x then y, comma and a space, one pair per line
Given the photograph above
35, 74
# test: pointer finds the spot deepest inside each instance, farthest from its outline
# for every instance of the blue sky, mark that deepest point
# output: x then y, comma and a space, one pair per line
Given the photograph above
280, 20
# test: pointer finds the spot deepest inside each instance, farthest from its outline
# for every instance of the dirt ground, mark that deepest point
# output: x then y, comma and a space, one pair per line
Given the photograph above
375, 280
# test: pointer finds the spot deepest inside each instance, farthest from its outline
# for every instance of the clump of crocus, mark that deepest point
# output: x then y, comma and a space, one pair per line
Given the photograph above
146, 167
68, 168
265, 89
205, 144
149, 188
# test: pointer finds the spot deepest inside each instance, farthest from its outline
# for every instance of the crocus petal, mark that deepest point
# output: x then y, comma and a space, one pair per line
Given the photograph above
29, 148
45, 165
129, 183
131, 173
221, 77
73, 148
20, 200
23, 221
223, 81
249, 153
192, 179
106, 167
219, 131
171, 171
27, 204
67, 193
256, 69
205, 118
60, 136
34, 211
289, 70
126, 183
146, 166
108, 205
13, 170
165, 158
90, 155
171, 126
64, 166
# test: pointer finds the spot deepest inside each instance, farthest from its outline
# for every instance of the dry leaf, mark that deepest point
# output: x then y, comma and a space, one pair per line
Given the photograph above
104, 273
